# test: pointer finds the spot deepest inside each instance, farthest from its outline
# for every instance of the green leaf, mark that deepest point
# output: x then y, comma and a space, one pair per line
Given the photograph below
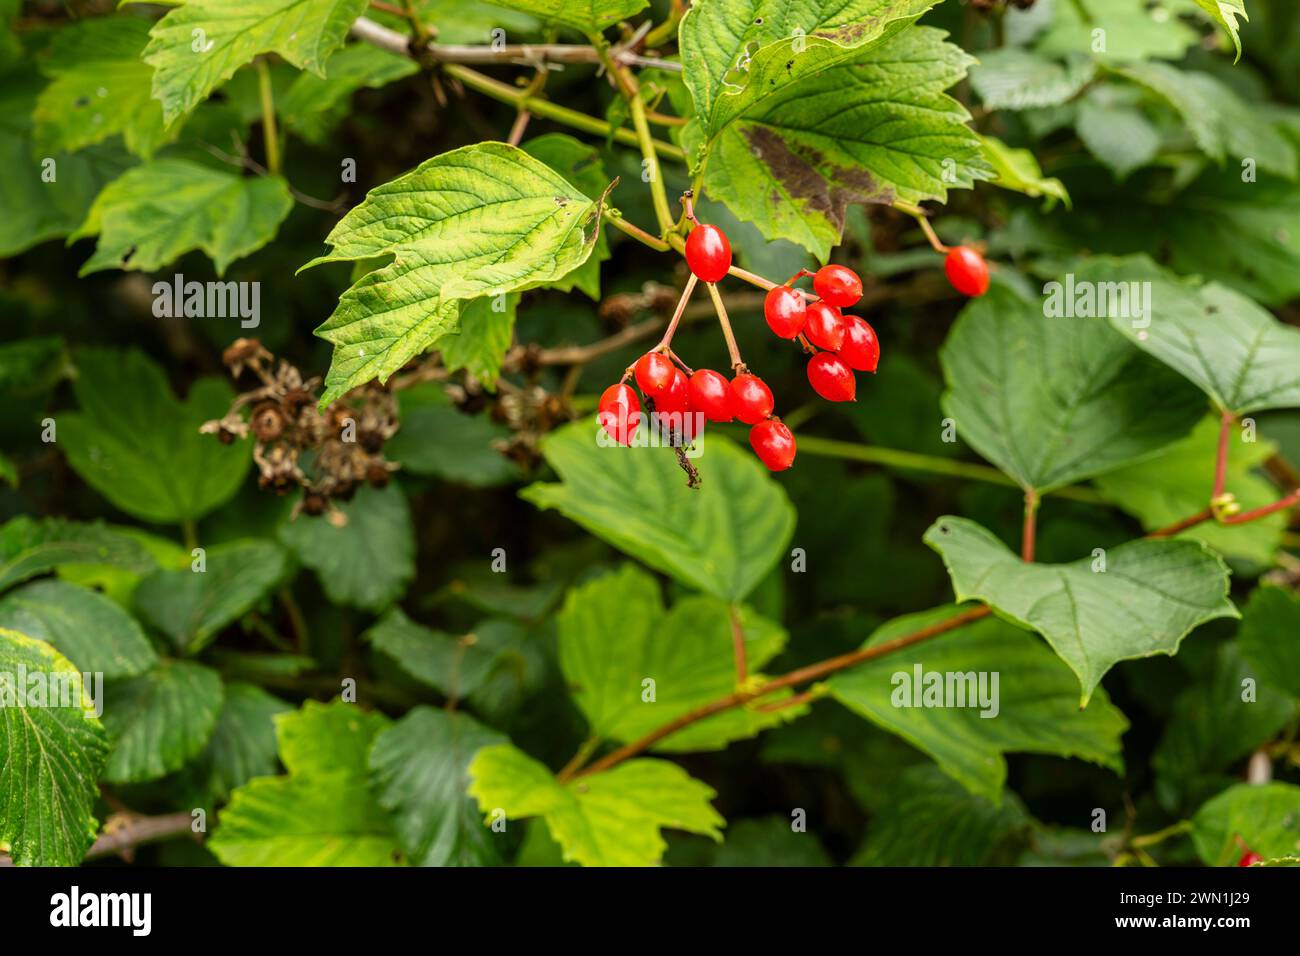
89, 629
1018, 170
581, 165
192, 607
440, 440
877, 129
139, 446
322, 813
721, 538
487, 327
313, 103
1267, 637
159, 721
243, 745
1118, 135
30, 547
1179, 481
201, 43
367, 562
769, 842
1051, 401
421, 771
52, 757
1115, 31
151, 215
615, 635
1225, 13
1235, 351
100, 88
504, 222
1014, 78
932, 822
1265, 817
1151, 594
1036, 700
586, 16
611, 818
31, 367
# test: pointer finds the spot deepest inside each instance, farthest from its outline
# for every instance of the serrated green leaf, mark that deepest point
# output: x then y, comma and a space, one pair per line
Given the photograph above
29, 547
192, 607
440, 440
52, 757
581, 165
615, 635
313, 103
587, 16
1225, 13
160, 720
139, 446
1018, 170
1013, 78
721, 538
611, 818
1263, 817
1051, 401
201, 43
1115, 31
243, 744
1120, 136
502, 222
1151, 594
487, 327
1036, 705
421, 771
1267, 637
369, 560
86, 627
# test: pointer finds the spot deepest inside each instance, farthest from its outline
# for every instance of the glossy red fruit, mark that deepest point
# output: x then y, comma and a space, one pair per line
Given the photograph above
675, 397
654, 373
831, 377
838, 286
825, 327
710, 393
708, 253
619, 413
785, 311
773, 444
861, 348
967, 270
751, 400
1249, 858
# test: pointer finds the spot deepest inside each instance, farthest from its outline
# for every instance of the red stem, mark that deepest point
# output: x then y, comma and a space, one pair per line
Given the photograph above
1221, 460
1029, 532
1281, 505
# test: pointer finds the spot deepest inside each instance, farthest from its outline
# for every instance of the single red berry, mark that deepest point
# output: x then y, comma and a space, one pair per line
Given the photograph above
710, 393
861, 348
751, 400
619, 413
785, 311
826, 326
708, 253
967, 270
831, 377
654, 373
773, 444
674, 398
838, 286
1249, 858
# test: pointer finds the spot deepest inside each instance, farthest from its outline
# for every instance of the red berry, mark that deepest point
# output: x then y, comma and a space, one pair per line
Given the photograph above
751, 400
785, 311
861, 348
654, 373
831, 377
838, 286
708, 253
967, 270
826, 326
674, 398
773, 444
619, 413
1249, 858
710, 393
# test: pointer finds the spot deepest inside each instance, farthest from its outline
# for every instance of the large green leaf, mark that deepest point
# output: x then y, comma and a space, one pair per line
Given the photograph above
439, 439
192, 607
876, 129
1267, 638
99, 88
140, 447
1013, 78
51, 758
1036, 702
367, 562
29, 547
160, 720
482, 219
313, 104
1053, 400
1263, 817
152, 214
87, 628
201, 43
721, 538
1115, 31
1238, 353
420, 768
588, 16
605, 819
1179, 481
322, 813
1151, 594
243, 745
615, 635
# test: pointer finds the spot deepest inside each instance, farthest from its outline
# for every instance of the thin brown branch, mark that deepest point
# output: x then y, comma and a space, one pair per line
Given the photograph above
1189, 522
1029, 533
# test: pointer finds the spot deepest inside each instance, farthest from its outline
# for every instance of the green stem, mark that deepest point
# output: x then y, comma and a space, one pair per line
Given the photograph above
628, 89
1151, 839
636, 232
190, 534
270, 134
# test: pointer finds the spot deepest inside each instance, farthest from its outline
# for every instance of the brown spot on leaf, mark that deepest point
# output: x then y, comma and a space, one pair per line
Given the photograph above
851, 34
